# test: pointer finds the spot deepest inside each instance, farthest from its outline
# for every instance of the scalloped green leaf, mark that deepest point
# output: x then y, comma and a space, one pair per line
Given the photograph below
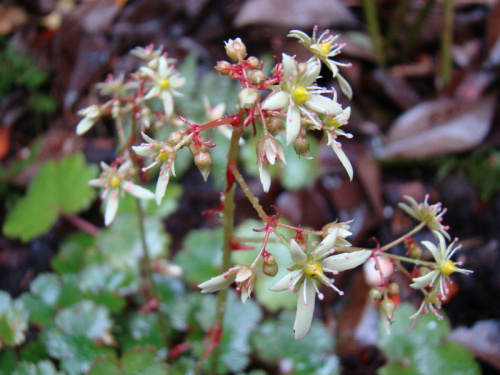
76, 353
85, 318
425, 350
274, 343
40, 368
201, 256
72, 252
140, 330
59, 188
137, 361
13, 321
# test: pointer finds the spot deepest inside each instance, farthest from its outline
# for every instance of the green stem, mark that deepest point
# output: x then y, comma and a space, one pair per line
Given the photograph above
406, 259
446, 43
370, 14
149, 272
256, 205
402, 238
416, 27
397, 22
228, 218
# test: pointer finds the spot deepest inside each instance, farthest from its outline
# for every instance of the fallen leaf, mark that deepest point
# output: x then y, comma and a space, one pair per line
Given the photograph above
438, 127
295, 13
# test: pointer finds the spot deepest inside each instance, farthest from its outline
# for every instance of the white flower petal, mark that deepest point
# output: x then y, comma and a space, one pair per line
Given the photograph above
124, 168
168, 103
265, 176
162, 183
286, 281
276, 101
162, 66
84, 125
305, 309
337, 148
217, 283
147, 138
289, 67
432, 248
97, 182
423, 281
346, 261
442, 247
292, 124
302, 36
345, 86
311, 74
111, 207
138, 191
142, 150
153, 93
332, 66
327, 244
297, 254
322, 104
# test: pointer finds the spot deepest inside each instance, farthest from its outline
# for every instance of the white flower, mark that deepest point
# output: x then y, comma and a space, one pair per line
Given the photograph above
325, 48
298, 94
269, 151
309, 268
162, 154
436, 278
115, 182
244, 276
431, 215
166, 82
331, 126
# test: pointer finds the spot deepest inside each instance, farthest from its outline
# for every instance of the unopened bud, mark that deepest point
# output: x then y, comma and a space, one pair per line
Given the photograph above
174, 138
236, 49
415, 251
248, 97
301, 146
275, 126
375, 294
393, 289
387, 308
270, 267
423, 271
256, 77
203, 161
253, 61
223, 67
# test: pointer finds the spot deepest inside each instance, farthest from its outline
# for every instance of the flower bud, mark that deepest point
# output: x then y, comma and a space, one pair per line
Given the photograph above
248, 97
275, 126
301, 146
415, 251
375, 294
195, 148
223, 67
393, 289
423, 271
253, 62
256, 77
174, 138
203, 161
270, 267
387, 308
236, 49
269, 149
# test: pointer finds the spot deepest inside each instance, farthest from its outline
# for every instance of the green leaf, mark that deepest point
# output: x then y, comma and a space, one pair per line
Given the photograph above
41, 368
134, 362
140, 330
121, 245
13, 321
76, 353
40, 313
46, 286
201, 256
8, 361
423, 351
274, 343
71, 255
59, 188
84, 319
239, 321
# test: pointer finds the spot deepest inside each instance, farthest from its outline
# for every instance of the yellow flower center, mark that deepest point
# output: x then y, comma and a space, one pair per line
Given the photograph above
324, 48
300, 95
114, 182
313, 269
448, 267
164, 83
163, 156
